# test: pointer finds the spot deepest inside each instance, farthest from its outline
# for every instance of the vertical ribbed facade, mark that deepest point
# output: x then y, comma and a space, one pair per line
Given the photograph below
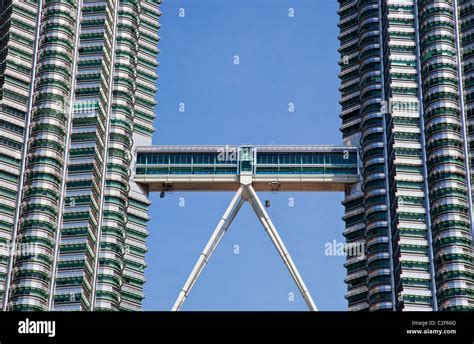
351, 129
446, 145
17, 48
144, 115
77, 219
405, 97
406, 154
134, 93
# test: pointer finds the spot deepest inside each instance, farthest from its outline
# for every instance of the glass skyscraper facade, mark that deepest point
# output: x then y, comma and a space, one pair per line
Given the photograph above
407, 96
77, 94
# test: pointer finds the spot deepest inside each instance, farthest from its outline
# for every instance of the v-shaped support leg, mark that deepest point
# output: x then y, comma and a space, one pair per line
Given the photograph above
244, 193
216, 237
279, 245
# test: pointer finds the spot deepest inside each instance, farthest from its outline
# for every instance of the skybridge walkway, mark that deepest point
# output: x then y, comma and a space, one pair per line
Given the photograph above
219, 168
245, 170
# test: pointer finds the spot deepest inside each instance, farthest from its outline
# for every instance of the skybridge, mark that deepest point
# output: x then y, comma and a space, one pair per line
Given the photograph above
271, 168
245, 170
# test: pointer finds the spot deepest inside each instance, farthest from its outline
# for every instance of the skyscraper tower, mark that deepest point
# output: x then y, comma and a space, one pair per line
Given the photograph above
77, 92
407, 102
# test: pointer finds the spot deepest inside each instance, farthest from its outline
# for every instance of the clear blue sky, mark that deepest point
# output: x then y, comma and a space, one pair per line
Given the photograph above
282, 60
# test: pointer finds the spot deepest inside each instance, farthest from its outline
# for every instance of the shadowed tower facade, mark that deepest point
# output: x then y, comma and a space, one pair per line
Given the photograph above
407, 102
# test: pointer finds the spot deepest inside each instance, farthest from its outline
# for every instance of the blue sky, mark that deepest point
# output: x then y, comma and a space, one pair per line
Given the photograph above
282, 60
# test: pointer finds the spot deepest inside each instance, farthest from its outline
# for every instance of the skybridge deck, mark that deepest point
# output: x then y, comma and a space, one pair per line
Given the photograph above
271, 168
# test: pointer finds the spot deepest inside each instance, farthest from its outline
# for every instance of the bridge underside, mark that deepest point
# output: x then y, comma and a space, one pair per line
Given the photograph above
186, 184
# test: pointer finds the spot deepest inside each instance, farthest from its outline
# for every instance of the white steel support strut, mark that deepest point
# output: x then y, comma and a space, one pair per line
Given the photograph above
216, 237
244, 193
280, 246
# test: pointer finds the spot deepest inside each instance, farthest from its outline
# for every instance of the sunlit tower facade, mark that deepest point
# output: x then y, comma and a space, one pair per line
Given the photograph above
407, 101
77, 92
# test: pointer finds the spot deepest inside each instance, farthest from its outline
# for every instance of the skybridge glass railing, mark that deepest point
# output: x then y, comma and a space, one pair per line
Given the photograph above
343, 162
179, 163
